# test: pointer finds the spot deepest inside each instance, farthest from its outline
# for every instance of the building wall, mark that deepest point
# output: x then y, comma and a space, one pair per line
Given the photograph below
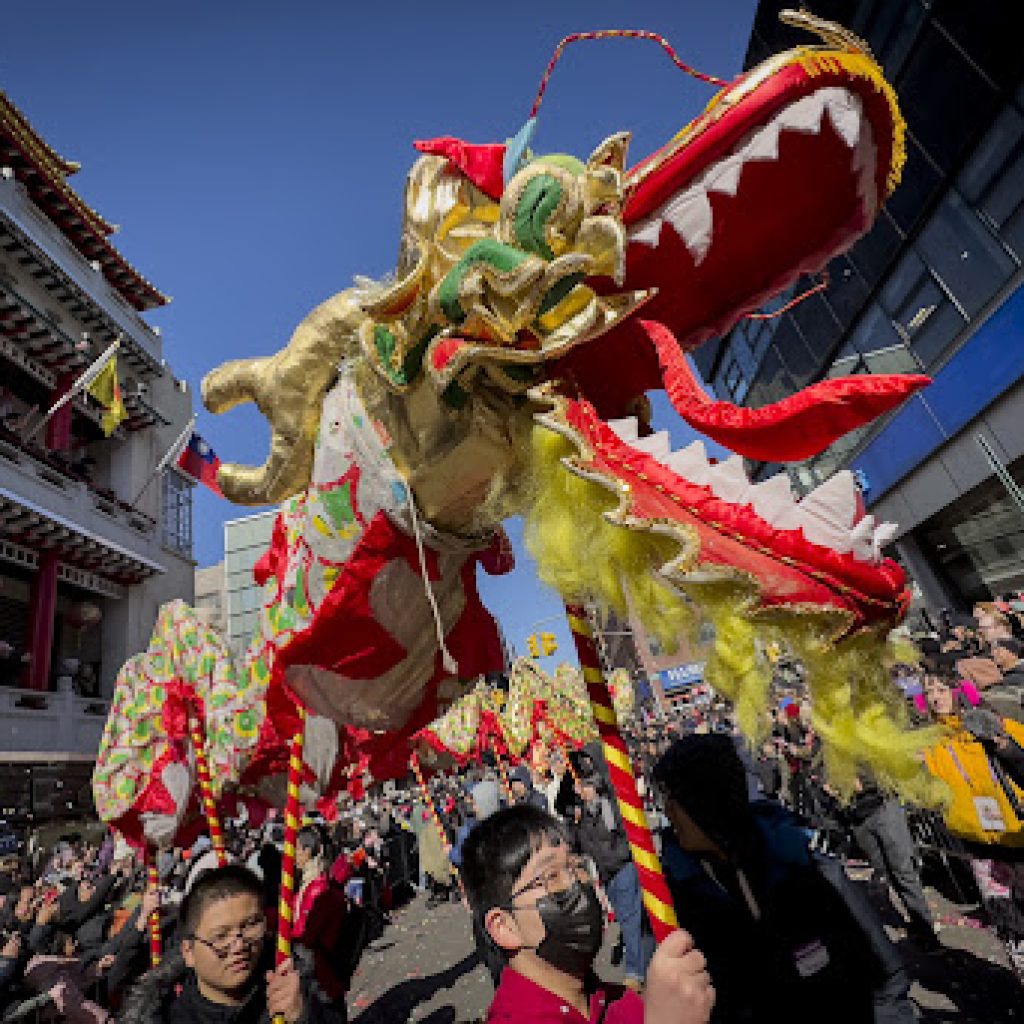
118, 507
211, 596
245, 540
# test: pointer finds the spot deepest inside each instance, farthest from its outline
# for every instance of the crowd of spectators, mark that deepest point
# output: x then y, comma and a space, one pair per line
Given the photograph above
74, 940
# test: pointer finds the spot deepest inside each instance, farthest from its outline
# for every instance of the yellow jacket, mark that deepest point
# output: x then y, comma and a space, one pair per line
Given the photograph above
961, 762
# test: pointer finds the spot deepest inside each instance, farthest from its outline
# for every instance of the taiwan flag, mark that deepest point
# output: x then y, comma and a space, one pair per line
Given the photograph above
199, 461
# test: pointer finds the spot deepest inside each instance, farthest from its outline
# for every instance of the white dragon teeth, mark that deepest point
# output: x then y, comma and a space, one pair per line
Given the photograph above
626, 430
729, 480
862, 538
771, 497
828, 516
689, 213
885, 533
691, 463
657, 445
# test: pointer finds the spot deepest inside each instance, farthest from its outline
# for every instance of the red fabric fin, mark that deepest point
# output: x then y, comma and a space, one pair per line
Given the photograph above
482, 164
274, 560
795, 428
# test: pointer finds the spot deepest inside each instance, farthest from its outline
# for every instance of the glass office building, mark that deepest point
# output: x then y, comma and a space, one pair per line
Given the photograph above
934, 287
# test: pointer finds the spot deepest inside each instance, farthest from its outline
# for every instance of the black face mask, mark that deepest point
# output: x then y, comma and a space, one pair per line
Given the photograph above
573, 929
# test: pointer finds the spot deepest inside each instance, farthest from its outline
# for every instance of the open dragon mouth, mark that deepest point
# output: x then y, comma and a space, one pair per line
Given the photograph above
785, 169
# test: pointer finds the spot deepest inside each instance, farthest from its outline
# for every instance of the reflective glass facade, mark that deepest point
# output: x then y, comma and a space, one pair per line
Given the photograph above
950, 241
936, 286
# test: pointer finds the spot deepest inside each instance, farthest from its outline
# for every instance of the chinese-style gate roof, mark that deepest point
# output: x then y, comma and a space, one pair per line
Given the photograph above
44, 174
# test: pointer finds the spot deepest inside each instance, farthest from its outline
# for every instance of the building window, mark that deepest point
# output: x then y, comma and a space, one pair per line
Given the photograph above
993, 180
921, 312
971, 264
177, 517
735, 383
873, 253
943, 97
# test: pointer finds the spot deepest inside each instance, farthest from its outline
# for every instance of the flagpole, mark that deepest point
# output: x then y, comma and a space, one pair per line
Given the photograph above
89, 374
171, 455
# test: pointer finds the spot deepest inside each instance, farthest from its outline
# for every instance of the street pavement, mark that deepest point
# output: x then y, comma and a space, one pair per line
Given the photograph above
424, 968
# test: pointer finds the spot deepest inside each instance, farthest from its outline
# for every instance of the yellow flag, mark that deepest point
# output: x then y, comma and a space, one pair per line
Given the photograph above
106, 389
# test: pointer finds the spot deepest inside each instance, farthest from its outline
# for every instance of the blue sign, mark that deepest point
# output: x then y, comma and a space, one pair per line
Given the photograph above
682, 676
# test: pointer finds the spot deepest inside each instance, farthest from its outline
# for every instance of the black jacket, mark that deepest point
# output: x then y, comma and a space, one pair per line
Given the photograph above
156, 999
608, 848
804, 958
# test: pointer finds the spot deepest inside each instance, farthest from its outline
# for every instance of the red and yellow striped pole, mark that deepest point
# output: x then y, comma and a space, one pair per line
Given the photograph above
206, 789
292, 816
653, 887
570, 767
156, 942
414, 763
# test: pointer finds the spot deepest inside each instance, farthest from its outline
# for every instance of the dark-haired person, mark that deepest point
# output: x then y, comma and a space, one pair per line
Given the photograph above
322, 918
1006, 697
782, 940
224, 969
537, 907
309, 860
601, 836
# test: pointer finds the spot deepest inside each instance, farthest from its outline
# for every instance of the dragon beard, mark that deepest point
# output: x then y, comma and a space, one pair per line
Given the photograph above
590, 539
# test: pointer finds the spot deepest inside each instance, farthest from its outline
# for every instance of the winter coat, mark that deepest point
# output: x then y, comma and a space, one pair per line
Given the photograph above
1006, 697
312, 885
168, 994
433, 860
962, 762
787, 954
335, 934
602, 837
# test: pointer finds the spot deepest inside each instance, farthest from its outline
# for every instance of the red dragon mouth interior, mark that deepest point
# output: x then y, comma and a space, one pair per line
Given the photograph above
786, 168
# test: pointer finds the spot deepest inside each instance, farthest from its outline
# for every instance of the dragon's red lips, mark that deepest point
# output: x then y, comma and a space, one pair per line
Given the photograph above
822, 551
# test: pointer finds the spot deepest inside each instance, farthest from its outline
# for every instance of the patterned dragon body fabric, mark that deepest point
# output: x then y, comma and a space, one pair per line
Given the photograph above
538, 708
504, 370
144, 777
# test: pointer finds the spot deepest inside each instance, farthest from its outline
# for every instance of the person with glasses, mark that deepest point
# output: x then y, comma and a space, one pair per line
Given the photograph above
535, 903
223, 972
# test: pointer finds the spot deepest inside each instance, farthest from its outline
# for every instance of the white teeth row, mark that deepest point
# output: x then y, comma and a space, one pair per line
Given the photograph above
830, 516
689, 213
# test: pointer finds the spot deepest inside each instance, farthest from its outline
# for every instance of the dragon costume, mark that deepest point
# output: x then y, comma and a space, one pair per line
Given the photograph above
503, 370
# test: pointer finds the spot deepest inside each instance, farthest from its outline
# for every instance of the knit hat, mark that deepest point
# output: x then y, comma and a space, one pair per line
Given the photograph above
485, 798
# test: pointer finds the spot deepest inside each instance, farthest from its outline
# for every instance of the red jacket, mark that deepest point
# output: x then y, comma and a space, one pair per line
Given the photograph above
523, 1001
307, 897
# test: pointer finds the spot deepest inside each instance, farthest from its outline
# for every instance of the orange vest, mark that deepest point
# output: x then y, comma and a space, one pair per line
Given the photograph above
961, 762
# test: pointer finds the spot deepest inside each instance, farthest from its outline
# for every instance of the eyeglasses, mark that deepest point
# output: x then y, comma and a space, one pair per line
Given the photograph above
557, 878
250, 932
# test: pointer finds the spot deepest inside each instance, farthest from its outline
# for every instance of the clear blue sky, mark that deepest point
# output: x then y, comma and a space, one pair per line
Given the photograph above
254, 153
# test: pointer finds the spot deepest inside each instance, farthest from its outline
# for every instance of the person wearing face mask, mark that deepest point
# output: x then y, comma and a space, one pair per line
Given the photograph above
538, 908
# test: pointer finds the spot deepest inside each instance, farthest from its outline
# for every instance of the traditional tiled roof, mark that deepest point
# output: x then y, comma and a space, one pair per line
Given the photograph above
44, 174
